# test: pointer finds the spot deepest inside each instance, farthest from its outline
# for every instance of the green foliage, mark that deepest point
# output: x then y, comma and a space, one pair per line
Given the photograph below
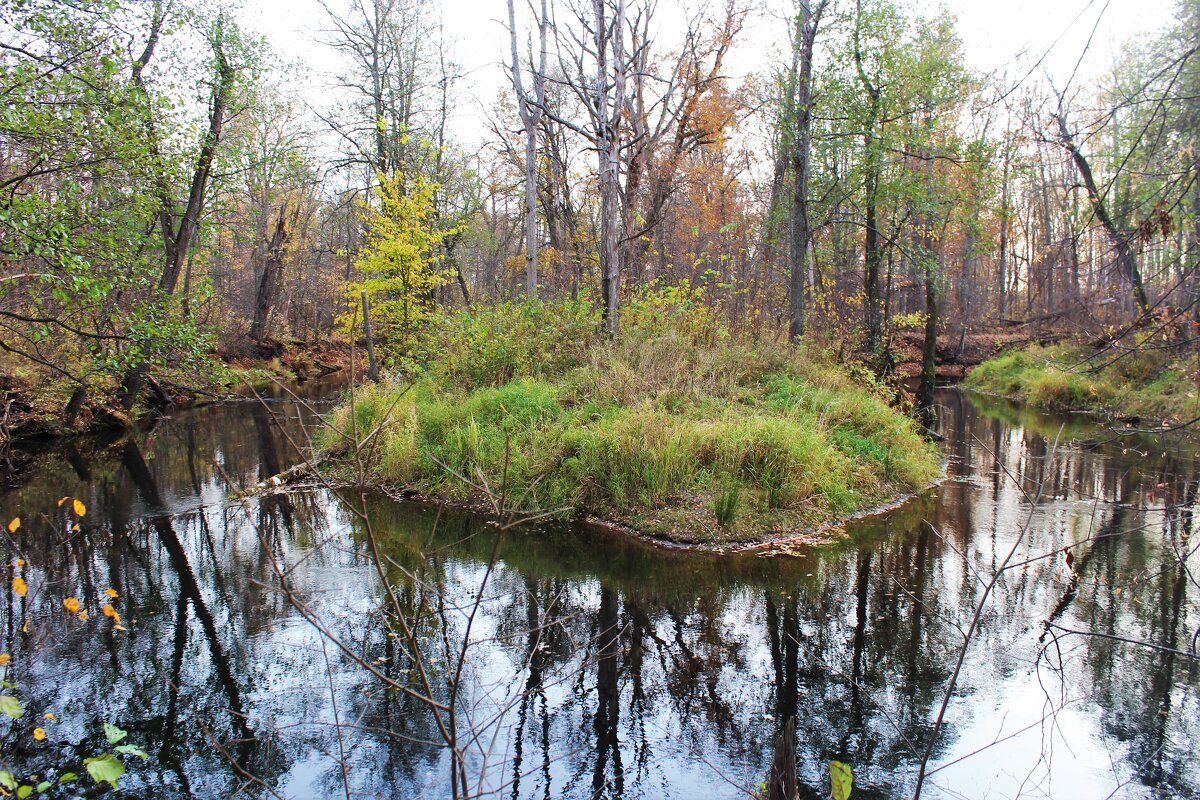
699, 436
77, 218
1134, 382
399, 263
492, 345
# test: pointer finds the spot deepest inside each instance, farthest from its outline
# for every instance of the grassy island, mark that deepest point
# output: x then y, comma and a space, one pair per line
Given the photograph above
1133, 382
676, 428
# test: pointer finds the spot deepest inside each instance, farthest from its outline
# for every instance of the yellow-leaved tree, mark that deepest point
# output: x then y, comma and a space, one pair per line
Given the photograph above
399, 261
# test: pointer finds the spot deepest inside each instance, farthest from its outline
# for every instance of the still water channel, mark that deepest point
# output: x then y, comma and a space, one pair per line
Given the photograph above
597, 666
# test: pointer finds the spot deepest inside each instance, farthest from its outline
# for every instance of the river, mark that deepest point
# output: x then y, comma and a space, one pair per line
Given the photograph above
598, 666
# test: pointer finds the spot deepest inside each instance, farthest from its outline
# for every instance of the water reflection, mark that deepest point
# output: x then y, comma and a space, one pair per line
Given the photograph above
598, 667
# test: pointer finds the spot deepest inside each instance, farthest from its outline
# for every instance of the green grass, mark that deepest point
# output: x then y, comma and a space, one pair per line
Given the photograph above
676, 428
1149, 383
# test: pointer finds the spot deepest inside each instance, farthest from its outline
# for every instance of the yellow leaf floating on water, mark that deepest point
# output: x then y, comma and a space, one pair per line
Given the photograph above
83, 615
80, 508
111, 612
19, 586
63, 499
39, 733
20, 562
49, 716
71, 605
16, 523
110, 593
5, 659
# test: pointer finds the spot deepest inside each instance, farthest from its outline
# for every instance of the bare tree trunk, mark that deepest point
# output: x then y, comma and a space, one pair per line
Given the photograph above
268, 284
531, 114
872, 254
801, 238
1126, 258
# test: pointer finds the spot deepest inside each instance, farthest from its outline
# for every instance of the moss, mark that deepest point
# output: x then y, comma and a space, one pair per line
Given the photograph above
681, 431
1146, 383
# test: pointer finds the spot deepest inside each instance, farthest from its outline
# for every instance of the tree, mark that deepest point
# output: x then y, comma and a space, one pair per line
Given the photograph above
400, 257
530, 109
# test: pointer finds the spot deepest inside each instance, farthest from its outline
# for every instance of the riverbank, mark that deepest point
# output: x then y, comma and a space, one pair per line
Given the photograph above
37, 405
1137, 385
676, 429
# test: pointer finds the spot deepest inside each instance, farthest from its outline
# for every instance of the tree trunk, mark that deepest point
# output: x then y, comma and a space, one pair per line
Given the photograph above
268, 284
801, 238
1126, 258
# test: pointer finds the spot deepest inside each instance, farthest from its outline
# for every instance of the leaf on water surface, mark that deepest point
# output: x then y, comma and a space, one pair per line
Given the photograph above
72, 605
132, 750
8, 780
105, 768
842, 780
80, 508
20, 587
39, 734
113, 733
11, 706
16, 523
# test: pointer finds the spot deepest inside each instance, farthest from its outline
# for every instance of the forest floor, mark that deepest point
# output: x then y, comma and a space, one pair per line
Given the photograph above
957, 354
33, 404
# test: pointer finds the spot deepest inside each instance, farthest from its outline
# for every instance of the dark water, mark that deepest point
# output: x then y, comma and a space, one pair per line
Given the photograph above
598, 667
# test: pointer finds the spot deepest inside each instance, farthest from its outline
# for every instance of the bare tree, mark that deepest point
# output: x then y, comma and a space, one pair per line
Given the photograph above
530, 109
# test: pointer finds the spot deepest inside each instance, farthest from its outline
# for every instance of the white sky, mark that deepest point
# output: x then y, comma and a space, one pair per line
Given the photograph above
1004, 35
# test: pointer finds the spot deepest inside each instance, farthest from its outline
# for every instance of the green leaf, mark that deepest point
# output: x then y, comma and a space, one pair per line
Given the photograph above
132, 750
105, 768
67, 777
11, 706
43, 786
114, 733
842, 780
8, 781
24, 791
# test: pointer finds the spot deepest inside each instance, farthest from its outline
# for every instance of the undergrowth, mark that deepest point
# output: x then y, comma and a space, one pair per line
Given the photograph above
1141, 381
677, 427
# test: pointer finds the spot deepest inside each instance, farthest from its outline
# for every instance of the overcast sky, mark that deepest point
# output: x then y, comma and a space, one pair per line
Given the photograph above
1012, 36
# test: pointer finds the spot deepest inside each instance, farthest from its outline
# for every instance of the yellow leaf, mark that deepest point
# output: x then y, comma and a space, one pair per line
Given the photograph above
5, 659
16, 523
108, 610
80, 508
49, 716
20, 562
83, 615
110, 593
62, 500
71, 605
19, 586
39, 733
119, 627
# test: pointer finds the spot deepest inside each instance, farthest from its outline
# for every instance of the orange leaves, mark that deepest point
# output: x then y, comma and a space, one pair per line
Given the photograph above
72, 605
39, 734
5, 659
16, 523
20, 587
79, 508
110, 593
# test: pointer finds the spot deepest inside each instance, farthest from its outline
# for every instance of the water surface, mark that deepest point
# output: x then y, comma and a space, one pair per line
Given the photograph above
598, 666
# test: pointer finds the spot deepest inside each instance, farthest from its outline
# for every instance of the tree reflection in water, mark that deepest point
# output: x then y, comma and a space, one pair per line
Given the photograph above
615, 669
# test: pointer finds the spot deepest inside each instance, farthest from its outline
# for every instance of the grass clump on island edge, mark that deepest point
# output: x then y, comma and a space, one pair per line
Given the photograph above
677, 428
1145, 383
